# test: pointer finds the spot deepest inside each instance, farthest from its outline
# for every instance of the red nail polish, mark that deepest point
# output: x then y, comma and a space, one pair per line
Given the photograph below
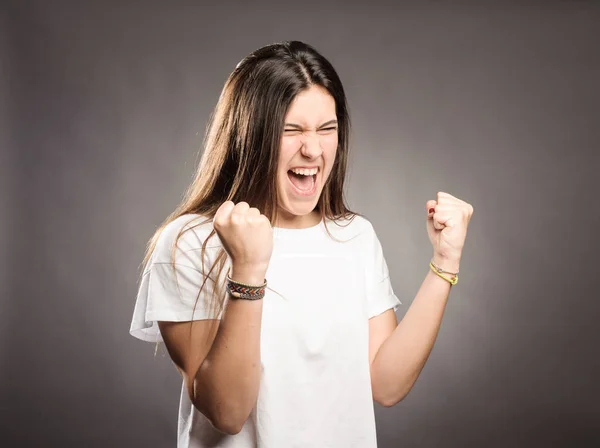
431, 210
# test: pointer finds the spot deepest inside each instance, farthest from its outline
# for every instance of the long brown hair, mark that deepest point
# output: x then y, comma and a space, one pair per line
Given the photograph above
242, 142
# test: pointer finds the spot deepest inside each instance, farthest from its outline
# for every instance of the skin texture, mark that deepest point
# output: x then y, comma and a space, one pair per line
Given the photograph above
398, 352
309, 139
220, 360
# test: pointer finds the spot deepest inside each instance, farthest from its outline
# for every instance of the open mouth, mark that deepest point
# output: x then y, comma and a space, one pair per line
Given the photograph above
304, 185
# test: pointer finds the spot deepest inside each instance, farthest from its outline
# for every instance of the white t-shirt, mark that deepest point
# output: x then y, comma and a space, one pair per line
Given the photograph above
315, 389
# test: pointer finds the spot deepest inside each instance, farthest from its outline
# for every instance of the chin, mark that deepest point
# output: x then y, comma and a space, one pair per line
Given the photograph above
297, 209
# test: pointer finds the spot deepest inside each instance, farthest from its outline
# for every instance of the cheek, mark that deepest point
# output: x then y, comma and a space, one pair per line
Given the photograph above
288, 147
329, 145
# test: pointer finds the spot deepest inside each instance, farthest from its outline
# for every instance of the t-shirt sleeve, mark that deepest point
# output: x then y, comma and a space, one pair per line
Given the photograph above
380, 295
170, 291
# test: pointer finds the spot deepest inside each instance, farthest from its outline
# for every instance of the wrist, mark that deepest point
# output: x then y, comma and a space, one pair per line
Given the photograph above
250, 275
450, 264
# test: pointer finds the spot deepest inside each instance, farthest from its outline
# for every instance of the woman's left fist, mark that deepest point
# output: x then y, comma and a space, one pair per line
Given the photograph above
447, 222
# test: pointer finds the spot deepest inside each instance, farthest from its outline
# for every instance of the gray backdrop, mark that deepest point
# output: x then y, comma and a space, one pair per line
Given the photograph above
104, 105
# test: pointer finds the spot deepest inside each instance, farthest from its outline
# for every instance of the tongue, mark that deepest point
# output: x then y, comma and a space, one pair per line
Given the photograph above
304, 183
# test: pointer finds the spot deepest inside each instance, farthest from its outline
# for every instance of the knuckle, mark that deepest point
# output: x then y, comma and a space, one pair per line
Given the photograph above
238, 219
218, 220
224, 209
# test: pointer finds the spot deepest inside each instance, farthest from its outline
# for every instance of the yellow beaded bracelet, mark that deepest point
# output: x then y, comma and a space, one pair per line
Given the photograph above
437, 271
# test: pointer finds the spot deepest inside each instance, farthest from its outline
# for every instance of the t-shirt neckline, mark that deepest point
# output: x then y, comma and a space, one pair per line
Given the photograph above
285, 231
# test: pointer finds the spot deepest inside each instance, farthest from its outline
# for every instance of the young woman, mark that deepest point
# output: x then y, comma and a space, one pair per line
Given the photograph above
273, 299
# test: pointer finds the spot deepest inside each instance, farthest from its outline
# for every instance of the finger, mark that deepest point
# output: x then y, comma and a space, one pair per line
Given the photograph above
470, 210
238, 214
430, 207
263, 218
443, 220
252, 215
459, 211
447, 198
444, 195
438, 225
223, 212
253, 211
241, 208
448, 208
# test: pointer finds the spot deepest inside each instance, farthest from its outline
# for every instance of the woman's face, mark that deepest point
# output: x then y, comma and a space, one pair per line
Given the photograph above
308, 149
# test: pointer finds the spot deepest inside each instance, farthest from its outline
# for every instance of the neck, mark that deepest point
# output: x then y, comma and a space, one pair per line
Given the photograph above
288, 221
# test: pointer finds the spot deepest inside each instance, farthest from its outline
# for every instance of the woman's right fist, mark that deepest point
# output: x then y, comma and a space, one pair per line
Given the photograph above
247, 236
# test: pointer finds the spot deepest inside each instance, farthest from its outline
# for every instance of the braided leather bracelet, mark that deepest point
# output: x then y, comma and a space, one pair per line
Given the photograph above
239, 290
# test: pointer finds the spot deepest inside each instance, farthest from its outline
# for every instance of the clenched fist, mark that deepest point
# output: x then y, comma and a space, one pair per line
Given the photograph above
247, 236
447, 222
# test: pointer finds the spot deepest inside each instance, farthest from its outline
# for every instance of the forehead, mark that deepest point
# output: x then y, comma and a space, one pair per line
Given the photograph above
311, 106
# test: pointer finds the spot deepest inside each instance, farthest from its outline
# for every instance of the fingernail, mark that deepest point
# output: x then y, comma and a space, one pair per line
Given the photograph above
431, 210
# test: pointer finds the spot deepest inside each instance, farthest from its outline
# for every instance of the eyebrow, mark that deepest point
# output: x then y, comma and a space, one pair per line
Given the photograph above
297, 126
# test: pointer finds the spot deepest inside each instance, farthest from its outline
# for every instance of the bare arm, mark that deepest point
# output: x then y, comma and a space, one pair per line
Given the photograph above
398, 352
220, 360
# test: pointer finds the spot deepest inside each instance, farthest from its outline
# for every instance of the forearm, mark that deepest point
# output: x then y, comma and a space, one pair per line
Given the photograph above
228, 380
402, 356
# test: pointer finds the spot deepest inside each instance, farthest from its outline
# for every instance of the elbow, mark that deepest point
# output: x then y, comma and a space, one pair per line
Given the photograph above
227, 426
390, 389
387, 401
226, 408
226, 416
225, 419
388, 397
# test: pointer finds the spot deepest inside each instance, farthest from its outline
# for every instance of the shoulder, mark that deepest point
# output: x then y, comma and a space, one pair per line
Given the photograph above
187, 233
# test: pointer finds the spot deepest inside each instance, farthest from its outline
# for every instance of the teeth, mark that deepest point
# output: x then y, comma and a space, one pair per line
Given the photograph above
305, 171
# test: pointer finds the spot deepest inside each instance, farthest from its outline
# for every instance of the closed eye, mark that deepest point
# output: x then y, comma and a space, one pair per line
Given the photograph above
299, 131
329, 129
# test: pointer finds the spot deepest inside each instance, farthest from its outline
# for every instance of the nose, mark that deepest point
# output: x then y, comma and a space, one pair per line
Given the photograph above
311, 147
